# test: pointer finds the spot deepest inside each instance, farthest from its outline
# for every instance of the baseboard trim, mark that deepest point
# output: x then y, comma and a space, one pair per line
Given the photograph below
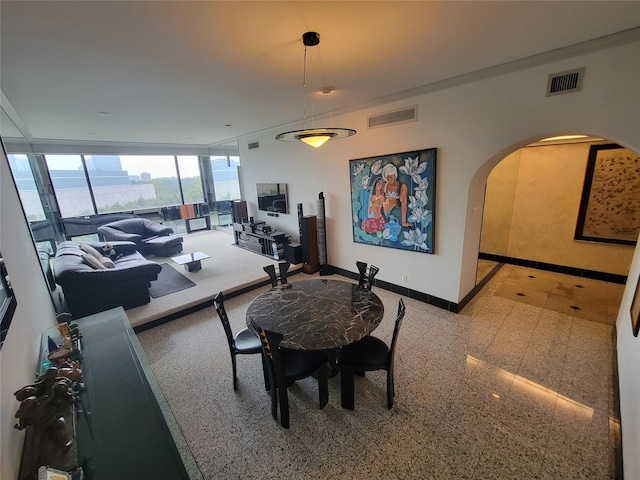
408, 292
207, 304
577, 272
405, 292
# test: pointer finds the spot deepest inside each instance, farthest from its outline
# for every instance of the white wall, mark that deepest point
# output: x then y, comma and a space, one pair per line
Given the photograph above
474, 126
628, 371
536, 193
34, 313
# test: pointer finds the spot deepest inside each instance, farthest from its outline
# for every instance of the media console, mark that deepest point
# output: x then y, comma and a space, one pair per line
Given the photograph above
270, 244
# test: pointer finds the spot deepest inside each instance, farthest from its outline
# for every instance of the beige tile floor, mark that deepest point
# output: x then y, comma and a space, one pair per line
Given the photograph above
513, 387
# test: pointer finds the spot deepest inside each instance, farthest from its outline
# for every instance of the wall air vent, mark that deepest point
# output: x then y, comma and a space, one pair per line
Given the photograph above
565, 82
253, 145
394, 117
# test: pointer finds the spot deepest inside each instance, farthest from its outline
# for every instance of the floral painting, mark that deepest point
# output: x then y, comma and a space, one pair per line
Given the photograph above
393, 200
610, 206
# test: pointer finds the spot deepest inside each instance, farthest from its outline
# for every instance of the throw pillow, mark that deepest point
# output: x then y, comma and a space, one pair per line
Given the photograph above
107, 262
93, 262
90, 250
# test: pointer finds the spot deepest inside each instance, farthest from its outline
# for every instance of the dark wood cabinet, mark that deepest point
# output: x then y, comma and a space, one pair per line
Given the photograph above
309, 242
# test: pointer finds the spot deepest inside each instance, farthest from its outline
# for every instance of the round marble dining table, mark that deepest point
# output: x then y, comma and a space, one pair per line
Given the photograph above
317, 314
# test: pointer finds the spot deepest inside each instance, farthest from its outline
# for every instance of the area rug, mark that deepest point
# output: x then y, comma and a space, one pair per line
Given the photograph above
169, 281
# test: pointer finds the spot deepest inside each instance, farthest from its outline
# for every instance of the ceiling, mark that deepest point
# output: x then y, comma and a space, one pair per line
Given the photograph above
205, 72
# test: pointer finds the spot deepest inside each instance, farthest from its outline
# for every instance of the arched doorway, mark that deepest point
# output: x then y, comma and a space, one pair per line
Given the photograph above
534, 215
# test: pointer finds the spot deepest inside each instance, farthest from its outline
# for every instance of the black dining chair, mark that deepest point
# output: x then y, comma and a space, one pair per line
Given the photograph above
366, 274
365, 355
285, 366
283, 267
245, 342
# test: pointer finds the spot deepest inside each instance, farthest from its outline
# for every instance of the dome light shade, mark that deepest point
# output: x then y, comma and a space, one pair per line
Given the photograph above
314, 140
315, 136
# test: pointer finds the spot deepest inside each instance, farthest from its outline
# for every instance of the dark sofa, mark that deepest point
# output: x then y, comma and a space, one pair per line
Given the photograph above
88, 290
150, 237
88, 225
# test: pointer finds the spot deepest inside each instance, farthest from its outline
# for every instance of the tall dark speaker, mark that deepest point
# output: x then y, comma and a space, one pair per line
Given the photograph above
309, 242
239, 210
323, 259
300, 215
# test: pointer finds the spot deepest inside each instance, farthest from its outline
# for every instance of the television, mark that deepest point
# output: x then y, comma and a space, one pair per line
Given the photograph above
272, 197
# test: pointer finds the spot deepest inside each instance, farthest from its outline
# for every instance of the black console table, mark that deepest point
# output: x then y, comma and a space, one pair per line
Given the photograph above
126, 429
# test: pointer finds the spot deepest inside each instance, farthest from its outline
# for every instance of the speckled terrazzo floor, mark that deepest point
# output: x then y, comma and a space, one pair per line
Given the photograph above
507, 389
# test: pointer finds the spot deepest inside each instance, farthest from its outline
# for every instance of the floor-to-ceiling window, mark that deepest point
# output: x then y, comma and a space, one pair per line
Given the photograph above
86, 185
130, 183
190, 179
26, 185
225, 177
70, 185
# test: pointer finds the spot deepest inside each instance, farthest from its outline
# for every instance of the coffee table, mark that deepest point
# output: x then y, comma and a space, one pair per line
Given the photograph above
191, 261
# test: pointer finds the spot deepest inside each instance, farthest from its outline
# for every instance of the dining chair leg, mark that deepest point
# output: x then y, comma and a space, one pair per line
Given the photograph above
284, 407
347, 388
265, 373
390, 389
233, 369
274, 403
323, 386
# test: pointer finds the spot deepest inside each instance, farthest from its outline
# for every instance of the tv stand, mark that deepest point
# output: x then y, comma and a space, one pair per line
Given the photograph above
270, 244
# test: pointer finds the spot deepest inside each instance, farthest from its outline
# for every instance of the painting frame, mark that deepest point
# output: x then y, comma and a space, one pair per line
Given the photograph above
635, 310
609, 209
393, 200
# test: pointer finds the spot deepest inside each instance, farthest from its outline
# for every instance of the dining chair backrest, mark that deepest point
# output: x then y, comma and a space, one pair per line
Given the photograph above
281, 277
286, 366
373, 271
271, 271
283, 267
218, 304
366, 274
362, 271
244, 342
270, 349
396, 330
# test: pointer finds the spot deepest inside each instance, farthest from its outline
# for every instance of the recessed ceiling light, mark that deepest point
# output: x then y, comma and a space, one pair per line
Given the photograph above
563, 137
228, 125
104, 114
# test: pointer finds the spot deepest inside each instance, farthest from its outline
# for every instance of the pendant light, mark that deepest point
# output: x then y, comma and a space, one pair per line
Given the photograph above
313, 136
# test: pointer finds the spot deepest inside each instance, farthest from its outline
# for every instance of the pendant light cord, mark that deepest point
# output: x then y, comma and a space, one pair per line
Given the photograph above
304, 89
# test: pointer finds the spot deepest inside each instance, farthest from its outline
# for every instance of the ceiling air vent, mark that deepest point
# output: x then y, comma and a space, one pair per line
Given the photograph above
394, 117
565, 82
253, 145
